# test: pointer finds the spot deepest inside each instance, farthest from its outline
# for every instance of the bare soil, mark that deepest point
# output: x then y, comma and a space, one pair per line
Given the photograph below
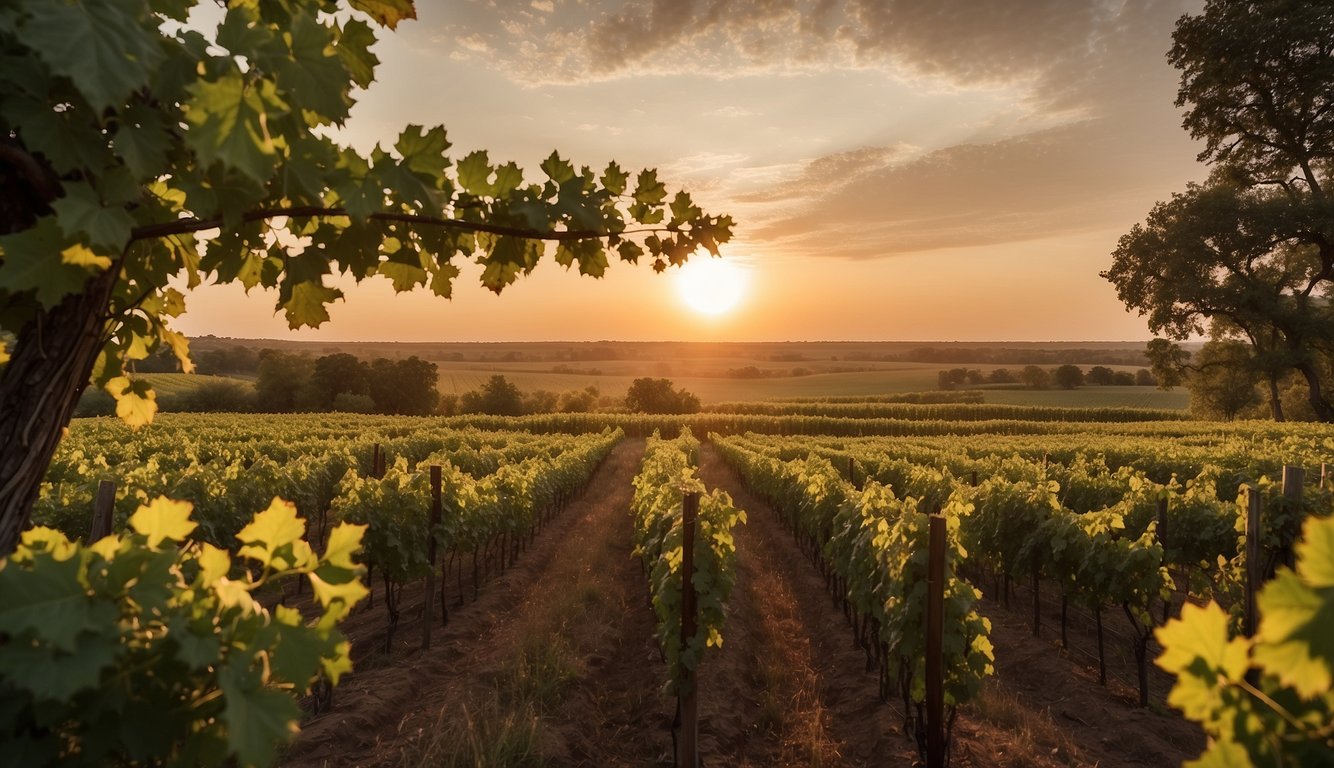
559, 653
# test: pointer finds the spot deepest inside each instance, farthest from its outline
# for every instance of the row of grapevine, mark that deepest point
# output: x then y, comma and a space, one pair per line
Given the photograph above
500, 511
683, 537
951, 411
1105, 538
872, 546
229, 465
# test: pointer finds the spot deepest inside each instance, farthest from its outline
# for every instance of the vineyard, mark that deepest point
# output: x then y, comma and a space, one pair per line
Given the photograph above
488, 595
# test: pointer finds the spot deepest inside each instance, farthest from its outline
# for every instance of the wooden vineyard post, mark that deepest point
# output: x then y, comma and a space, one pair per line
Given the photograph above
1324, 474
428, 597
1252, 558
1293, 479
688, 691
1162, 539
104, 509
852, 471
935, 625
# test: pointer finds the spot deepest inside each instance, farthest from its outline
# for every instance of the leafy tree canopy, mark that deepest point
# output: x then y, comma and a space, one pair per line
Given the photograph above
134, 145
139, 153
649, 395
1250, 253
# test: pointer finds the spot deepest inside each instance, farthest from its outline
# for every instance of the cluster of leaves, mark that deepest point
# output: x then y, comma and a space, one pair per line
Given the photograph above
148, 626
1268, 699
665, 477
145, 139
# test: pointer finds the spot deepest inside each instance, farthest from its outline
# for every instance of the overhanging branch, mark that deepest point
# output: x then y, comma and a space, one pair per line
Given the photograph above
187, 226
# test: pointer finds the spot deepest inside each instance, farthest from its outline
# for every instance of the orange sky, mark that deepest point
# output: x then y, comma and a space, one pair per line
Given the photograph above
951, 170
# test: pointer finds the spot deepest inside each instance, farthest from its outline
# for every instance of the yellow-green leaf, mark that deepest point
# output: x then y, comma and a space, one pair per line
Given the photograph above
163, 519
274, 528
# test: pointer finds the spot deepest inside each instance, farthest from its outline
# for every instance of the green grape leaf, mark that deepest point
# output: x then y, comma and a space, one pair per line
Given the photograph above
339, 664
423, 151
474, 173
442, 282
306, 307
405, 277
614, 179
1315, 552
1197, 649
33, 261
557, 169
508, 178
228, 123
299, 653
313, 75
57, 675
1222, 753
107, 49
354, 50
136, 402
648, 190
257, 718
142, 140
1295, 640
271, 530
80, 211
48, 601
163, 519
386, 12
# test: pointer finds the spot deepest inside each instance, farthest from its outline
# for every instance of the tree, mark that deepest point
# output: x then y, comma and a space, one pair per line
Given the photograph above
1168, 363
649, 395
339, 374
497, 397
1068, 376
1250, 254
1100, 375
1144, 378
283, 384
407, 387
1222, 380
578, 400
1035, 377
138, 153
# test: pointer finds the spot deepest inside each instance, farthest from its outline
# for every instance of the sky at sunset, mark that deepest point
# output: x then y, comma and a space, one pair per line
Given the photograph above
947, 170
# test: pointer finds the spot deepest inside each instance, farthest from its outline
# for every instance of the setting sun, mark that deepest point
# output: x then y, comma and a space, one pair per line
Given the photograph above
711, 286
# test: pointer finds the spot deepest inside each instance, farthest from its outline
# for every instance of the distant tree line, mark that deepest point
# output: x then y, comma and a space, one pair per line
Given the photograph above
1066, 376
1011, 356
501, 397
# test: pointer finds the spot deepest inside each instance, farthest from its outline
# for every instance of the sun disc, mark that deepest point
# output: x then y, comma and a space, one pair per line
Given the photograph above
711, 286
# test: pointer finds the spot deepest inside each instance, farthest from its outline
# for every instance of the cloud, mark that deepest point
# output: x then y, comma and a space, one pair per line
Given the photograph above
1090, 137
1059, 181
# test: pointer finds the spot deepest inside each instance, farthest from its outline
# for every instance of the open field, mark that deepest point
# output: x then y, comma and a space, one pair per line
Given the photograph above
721, 372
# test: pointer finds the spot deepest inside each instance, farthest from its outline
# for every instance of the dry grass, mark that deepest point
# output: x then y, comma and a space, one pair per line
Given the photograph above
790, 701
1023, 736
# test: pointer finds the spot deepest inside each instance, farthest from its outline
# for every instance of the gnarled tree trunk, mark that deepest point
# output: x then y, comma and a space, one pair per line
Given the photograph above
1322, 409
48, 370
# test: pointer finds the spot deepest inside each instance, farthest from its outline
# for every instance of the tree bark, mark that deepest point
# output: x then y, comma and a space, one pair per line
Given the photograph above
1322, 409
39, 387
1275, 403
